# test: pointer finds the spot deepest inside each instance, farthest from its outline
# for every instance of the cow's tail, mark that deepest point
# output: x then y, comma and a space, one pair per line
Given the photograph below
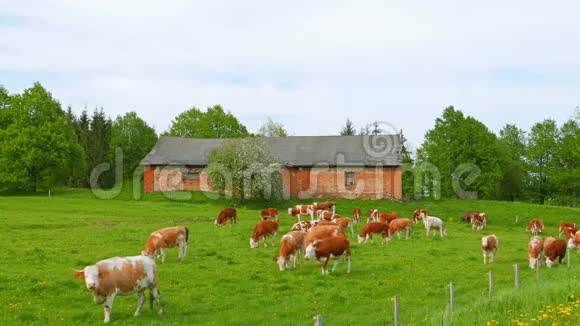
186, 234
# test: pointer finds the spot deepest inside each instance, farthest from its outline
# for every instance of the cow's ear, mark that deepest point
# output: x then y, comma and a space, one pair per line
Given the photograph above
80, 274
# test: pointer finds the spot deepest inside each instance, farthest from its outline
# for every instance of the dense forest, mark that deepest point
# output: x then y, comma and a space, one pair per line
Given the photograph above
43, 146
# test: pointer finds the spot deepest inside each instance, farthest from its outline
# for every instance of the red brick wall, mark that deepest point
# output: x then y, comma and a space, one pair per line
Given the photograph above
370, 183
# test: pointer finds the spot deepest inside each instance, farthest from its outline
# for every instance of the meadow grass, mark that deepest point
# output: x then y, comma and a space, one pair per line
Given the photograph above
223, 281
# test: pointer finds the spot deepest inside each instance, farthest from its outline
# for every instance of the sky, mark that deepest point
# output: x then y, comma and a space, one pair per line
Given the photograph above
307, 64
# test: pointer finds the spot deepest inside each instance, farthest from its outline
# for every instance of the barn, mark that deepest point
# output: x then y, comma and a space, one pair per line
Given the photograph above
313, 166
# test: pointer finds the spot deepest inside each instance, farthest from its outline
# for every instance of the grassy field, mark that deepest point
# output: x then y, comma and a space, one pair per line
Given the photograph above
222, 281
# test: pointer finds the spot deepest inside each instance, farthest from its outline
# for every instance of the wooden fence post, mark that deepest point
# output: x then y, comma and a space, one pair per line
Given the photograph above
490, 284
396, 307
517, 276
451, 297
318, 320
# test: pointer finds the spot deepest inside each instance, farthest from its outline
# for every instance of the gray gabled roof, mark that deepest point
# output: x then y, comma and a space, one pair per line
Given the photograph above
376, 150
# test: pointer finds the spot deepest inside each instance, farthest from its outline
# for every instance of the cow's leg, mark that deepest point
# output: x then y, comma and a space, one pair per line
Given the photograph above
351, 230
264, 241
335, 263
140, 302
163, 254
183, 250
274, 239
348, 263
441, 231
408, 235
108, 307
156, 295
427, 231
484, 256
399, 234
325, 265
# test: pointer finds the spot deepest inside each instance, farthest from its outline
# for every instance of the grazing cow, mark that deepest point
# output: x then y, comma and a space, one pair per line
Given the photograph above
432, 222
261, 231
323, 232
478, 221
398, 225
574, 241
373, 228
269, 213
325, 215
570, 232
291, 246
323, 250
302, 226
121, 276
489, 245
563, 226
345, 222
554, 250
356, 215
467, 216
299, 210
165, 238
225, 215
535, 226
535, 247
329, 206
373, 215
418, 214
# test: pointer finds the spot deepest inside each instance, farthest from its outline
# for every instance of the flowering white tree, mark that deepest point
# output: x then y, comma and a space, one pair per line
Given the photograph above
246, 167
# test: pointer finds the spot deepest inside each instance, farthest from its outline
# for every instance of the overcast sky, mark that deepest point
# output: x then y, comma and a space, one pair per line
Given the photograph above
307, 64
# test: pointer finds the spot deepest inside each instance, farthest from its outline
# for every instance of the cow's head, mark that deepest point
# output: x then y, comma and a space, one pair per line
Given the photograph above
310, 252
281, 263
360, 239
254, 244
91, 276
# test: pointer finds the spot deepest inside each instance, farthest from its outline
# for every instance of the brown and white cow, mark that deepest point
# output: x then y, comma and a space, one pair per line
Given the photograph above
299, 210
323, 250
263, 230
489, 245
554, 250
478, 221
269, 213
323, 232
328, 205
373, 215
302, 226
345, 222
373, 228
574, 241
356, 214
325, 215
535, 248
398, 225
225, 215
418, 214
121, 276
564, 226
569, 232
291, 246
467, 216
160, 240
535, 226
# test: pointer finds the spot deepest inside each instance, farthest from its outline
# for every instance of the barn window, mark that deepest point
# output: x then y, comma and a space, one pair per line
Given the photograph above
349, 178
190, 176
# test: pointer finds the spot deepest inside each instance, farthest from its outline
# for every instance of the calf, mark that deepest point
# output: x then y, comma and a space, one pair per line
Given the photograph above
467, 216
535, 247
325, 215
323, 250
302, 226
418, 214
329, 206
291, 246
489, 245
261, 231
323, 232
432, 222
345, 223
375, 216
270, 213
373, 228
299, 210
535, 226
165, 238
564, 226
121, 276
399, 225
356, 215
478, 221
554, 249
574, 241
225, 215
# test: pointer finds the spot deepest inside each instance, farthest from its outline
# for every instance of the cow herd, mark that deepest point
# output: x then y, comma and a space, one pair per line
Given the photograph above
321, 238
